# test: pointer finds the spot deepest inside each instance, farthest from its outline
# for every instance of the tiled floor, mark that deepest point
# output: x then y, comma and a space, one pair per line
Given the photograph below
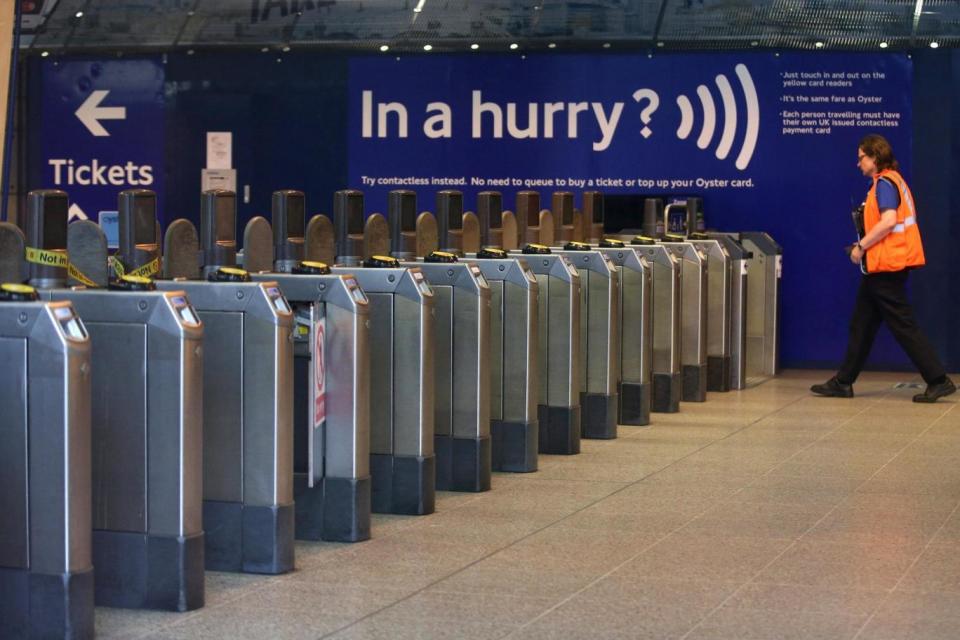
764, 514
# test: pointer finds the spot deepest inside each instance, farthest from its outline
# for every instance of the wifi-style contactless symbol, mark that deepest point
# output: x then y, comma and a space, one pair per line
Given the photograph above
730, 117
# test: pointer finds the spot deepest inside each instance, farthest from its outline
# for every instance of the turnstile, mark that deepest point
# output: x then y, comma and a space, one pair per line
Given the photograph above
558, 409
248, 508
400, 300
763, 313
739, 284
666, 311
719, 310
331, 385
599, 335
635, 327
146, 423
694, 318
46, 573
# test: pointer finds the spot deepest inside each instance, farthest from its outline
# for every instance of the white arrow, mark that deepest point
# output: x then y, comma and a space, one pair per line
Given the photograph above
91, 113
76, 213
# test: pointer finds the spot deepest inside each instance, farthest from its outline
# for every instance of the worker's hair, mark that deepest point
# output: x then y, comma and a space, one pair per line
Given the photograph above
879, 150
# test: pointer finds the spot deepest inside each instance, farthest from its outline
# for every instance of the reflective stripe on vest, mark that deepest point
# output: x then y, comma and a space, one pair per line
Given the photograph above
900, 228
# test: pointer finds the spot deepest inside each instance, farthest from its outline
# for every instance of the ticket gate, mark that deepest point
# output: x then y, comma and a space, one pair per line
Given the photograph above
558, 409
593, 216
599, 335
400, 300
693, 321
719, 310
740, 259
763, 314
146, 426
565, 228
461, 355
331, 404
635, 327
666, 307
533, 225
46, 573
514, 341
248, 507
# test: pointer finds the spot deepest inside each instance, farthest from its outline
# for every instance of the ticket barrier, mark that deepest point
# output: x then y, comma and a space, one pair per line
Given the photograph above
331, 409
599, 339
763, 315
248, 505
46, 572
635, 327
740, 259
146, 426
559, 338
401, 308
666, 305
514, 341
720, 275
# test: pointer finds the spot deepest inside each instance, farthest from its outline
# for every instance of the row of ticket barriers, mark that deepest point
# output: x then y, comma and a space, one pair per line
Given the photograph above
183, 405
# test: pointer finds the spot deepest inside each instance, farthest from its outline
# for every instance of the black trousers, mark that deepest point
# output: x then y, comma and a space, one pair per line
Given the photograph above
883, 298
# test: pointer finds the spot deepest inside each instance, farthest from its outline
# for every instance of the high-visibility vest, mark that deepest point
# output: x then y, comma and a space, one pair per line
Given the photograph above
901, 248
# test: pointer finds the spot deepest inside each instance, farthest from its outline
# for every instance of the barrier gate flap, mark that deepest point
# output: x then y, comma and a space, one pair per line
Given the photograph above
311, 323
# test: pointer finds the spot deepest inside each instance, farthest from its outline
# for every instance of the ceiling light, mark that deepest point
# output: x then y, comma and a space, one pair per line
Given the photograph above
44, 54
264, 49
419, 7
552, 45
514, 46
660, 44
934, 44
754, 43
286, 49
884, 45
78, 14
428, 47
606, 45
474, 46
818, 44
189, 52
384, 48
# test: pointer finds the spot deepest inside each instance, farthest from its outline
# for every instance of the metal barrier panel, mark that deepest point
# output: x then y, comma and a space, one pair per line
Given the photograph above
739, 259
461, 353
599, 336
514, 331
558, 410
763, 316
719, 312
248, 512
46, 573
402, 460
694, 318
635, 333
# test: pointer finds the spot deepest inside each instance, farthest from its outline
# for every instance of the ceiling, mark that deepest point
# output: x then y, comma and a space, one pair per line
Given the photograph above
453, 25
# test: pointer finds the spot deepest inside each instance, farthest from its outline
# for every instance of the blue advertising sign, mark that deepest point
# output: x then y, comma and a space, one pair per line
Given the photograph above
768, 140
101, 130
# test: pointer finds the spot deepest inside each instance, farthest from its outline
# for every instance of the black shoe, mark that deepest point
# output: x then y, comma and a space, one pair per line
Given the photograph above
833, 388
935, 391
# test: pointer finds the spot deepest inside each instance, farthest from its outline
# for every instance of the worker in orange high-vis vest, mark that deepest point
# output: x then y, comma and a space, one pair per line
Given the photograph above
892, 247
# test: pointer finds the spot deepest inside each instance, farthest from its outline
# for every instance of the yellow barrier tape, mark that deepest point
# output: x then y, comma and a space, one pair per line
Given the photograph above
48, 257
80, 276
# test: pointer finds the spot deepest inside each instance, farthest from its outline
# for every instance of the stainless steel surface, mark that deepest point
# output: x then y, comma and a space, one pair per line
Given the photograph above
719, 297
694, 292
636, 306
763, 314
599, 321
514, 342
461, 352
739, 260
163, 369
248, 390
45, 390
559, 332
402, 361
666, 282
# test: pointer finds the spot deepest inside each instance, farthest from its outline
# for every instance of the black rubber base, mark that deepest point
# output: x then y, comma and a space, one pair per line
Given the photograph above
599, 416
718, 373
403, 484
667, 390
463, 464
634, 403
694, 383
248, 539
140, 571
334, 509
559, 429
37, 605
514, 445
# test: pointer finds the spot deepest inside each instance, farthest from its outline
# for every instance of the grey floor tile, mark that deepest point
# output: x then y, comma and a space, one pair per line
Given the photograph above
806, 599
867, 565
467, 607
765, 624
127, 624
697, 595
916, 616
385, 628
252, 623
938, 569
758, 519
520, 579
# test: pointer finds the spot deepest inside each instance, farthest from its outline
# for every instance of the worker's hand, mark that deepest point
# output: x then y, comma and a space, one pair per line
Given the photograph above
856, 254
